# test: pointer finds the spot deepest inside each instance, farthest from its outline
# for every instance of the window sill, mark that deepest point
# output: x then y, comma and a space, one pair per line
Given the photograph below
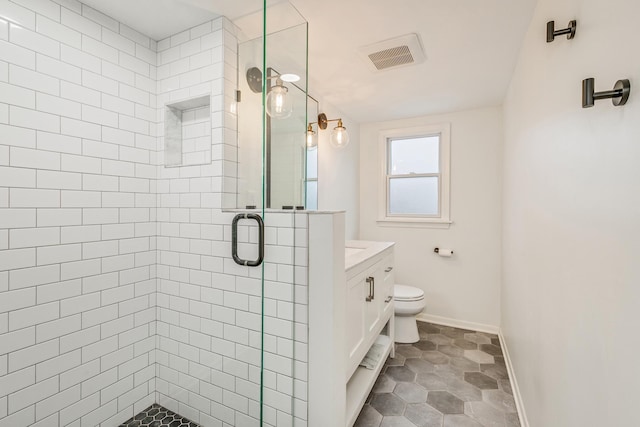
414, 222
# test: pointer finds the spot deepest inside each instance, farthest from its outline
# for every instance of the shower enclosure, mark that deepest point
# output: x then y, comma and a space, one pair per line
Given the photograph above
137, 178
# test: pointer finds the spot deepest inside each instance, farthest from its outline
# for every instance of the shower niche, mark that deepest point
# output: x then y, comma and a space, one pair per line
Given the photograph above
187, 130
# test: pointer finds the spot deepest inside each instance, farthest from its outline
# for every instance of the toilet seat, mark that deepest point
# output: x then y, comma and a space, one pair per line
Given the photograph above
407, 293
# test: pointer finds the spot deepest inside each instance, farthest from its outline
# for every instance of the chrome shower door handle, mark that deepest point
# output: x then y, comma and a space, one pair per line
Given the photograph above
234, 240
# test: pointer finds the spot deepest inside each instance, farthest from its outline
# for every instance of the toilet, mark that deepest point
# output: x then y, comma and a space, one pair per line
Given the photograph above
409, 301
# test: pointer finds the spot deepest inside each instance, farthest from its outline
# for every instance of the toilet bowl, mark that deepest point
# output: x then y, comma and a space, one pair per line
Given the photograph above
409, 301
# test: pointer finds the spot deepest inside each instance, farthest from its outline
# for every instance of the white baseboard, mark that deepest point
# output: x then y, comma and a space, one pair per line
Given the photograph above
524, 422
446, 321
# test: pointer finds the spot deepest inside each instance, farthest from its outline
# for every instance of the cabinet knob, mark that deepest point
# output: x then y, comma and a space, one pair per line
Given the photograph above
388, 300
388, 269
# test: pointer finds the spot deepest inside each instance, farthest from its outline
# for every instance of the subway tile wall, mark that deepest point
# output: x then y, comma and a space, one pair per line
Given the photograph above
77, 216
117, 287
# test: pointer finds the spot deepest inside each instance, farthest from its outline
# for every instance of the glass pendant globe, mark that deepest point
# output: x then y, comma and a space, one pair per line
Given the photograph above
339, 136
312, 141
279, 104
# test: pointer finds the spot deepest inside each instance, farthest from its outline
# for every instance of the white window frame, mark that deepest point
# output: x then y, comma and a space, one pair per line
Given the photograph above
442, 219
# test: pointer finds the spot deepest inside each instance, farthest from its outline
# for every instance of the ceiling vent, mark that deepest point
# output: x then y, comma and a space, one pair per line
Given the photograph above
393, 53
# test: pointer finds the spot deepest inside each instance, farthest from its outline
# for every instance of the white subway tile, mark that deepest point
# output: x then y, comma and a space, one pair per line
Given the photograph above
117, 263
74, 270
17, 380
77, 410
42, 7
18, 14
17, 340
33, 80
99, 116
26, 417
79, 304
31, 237
15, 300
99, 83
34, 119
99, 49
98, 349
80, 128
37, 159
4, 30
135, 36
100, 18
34, 41
59, 180
99, 249
60, 143
116, 72
79, 23
200, 30
58, 254
57, 402
15, 95
33, 355
17, 177
17, 136
32, 394
31, 316
18, 218
79, 374
99, 149
63, 327
99, 216
31, 198
79, 234
134, 64
17, 55
79, 338
135, 95
118, 168
58, 106
78, 58
58, 69
58, 217
117, 41
59, 290
99, 182
81, 164
4, 113
58, 32
118, 136
147, 55
134, 125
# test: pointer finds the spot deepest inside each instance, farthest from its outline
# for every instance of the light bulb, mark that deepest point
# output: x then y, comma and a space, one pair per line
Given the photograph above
339, 136
312, 142
279, 102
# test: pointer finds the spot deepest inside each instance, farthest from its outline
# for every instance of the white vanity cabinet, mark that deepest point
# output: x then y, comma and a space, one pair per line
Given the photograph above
369, 314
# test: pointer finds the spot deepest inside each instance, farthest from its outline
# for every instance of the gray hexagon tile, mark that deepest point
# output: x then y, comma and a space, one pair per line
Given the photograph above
423, 415
388, 404
411, 392
480, 380
450, 378
478, 356
158, 416
368, 417
445, 402
400, 373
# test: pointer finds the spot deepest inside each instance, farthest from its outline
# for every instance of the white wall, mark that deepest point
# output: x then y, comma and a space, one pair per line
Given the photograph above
571, 291
464, 288
338, 171
77, 216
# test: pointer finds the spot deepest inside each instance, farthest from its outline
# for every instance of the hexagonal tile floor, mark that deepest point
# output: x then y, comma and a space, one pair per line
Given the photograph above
158, 416
450, 378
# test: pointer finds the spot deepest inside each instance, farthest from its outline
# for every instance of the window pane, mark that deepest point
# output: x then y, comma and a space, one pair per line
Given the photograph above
414, 155
414, 196
312, 196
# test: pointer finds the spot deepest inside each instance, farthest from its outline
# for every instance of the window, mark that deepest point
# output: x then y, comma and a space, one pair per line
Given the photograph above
415, 175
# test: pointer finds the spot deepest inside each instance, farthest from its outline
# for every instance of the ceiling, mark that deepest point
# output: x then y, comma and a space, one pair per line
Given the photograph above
471, 48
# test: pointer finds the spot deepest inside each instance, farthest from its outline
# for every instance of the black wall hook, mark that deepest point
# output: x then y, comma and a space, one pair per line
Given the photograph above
619, 95
552, 33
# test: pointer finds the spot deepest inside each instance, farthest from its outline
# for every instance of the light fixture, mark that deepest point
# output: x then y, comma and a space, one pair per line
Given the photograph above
312, 141
278, 102
339, 135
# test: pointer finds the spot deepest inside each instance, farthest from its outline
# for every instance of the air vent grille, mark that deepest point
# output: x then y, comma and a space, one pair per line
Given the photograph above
391, 57
400, 51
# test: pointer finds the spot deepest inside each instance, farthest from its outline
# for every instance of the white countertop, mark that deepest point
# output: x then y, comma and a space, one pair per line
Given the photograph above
358, 251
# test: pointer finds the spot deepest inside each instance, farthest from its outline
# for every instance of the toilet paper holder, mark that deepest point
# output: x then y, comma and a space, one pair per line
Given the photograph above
437, 250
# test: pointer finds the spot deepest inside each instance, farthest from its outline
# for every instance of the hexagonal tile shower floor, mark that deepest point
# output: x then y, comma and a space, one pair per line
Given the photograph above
158, 416
450, 378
